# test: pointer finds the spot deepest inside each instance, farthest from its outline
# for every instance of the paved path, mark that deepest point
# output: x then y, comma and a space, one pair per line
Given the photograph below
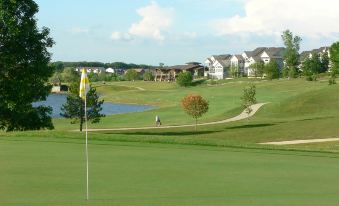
241, 116
305, 141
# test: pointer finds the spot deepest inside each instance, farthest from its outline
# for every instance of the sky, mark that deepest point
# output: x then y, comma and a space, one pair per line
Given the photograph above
179, 31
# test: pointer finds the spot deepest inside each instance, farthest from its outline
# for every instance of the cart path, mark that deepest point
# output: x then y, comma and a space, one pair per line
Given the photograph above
301, 141
241, 116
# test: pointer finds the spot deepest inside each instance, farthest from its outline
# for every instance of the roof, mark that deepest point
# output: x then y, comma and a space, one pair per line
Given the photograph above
248, 53
275, 52
194, 63
223, 59
306, 54
239, 57
256, 52
182, 67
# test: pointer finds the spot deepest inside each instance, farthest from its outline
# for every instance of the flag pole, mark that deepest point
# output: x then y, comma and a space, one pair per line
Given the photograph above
87, 195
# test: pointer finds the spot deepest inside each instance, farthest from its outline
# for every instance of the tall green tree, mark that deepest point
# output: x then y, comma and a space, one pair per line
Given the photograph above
334, 63
325, 61
271, 70
334, 56
24, 67
311, 67
74, 108
291, 53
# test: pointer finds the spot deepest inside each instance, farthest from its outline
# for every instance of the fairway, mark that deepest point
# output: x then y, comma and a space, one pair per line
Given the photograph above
51, 171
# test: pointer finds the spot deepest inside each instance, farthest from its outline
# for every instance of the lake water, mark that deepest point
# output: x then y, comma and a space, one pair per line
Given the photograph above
57, 100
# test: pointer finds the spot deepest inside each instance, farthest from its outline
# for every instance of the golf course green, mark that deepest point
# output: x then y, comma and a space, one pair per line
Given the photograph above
220, 164
40, 171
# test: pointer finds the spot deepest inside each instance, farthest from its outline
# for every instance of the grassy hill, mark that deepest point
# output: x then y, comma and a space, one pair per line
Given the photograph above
297, 109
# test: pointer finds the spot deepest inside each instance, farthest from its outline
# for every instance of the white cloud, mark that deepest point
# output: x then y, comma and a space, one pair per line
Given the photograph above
311, 18
155, 20
121, 36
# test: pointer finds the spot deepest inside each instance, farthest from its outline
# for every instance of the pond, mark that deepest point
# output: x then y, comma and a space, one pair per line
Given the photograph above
57, 100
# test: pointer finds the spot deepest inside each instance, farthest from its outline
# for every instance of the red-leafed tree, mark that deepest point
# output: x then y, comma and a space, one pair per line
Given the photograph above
195, 106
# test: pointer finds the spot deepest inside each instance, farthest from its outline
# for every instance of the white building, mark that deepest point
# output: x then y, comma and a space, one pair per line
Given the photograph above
110, 70
264, 54
238, 62
218, 66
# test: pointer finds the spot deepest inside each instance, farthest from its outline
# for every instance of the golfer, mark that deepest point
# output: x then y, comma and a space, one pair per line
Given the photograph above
157, 121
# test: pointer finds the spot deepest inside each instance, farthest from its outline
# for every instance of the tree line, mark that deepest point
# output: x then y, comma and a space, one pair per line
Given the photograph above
60, 65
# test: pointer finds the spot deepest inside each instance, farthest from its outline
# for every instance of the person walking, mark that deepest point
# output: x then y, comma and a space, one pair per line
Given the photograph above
157, 121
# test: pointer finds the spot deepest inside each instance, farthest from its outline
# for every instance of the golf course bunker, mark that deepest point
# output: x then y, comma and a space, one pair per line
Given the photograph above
57, 100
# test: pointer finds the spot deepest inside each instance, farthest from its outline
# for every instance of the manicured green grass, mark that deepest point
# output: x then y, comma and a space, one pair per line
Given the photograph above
51, 171
216, 165
297, 110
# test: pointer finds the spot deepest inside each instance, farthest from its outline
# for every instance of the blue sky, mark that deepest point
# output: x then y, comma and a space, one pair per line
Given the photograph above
179, 31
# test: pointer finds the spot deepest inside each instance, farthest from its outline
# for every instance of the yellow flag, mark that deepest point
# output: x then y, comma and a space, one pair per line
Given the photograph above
84, 84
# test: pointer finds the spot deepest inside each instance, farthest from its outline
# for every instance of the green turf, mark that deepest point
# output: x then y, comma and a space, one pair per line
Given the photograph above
216, 165
51, 171
297, 110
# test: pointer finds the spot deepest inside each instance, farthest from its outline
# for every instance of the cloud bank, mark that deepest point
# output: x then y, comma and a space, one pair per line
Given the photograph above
154, 21
312, 18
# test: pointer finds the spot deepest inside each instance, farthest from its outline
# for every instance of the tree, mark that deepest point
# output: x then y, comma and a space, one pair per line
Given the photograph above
184, 79
69, 75
312, 67
24, 67
248, 98
74, 108
195, 106
325, 61
131, 75
291, 53
59, 66
334, 56
56, 78
271, 70
234, 70
148, 76
258, 68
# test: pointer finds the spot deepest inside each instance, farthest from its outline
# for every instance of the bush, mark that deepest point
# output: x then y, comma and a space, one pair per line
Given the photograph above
184, 79
131, 75
272, 70
148, 76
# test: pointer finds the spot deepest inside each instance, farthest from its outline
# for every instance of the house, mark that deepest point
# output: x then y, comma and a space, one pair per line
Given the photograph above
96, 70
110, 70
238, 62
250, 57
264, 54
218, 66
308, 54
171, 73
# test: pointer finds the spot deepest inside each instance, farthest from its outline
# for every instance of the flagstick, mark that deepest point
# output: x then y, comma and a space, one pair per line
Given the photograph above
87, 196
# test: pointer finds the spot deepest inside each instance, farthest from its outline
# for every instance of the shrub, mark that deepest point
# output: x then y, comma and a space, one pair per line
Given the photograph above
184, 79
